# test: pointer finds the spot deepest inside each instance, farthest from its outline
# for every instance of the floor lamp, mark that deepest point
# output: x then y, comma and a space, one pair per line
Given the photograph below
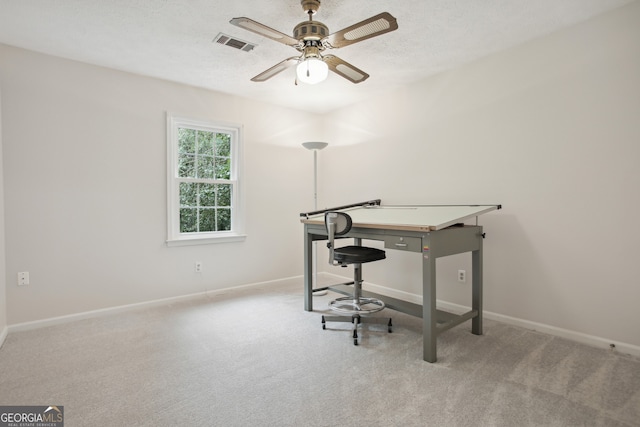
315, 146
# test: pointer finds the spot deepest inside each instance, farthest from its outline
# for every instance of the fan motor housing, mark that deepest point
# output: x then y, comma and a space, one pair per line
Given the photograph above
310, 30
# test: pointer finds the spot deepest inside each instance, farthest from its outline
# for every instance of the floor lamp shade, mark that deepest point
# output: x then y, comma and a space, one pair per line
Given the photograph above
314, 145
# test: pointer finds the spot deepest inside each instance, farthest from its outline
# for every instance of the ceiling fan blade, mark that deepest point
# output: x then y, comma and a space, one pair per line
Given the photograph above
374, 26
345, 69
266, 75
263, 30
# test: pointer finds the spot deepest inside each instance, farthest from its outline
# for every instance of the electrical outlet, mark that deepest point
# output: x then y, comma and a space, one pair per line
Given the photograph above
198, 267
23, 278
462, 276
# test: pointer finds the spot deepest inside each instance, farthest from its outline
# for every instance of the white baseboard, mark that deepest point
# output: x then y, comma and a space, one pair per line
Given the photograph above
3, 335
36, 324
591, 340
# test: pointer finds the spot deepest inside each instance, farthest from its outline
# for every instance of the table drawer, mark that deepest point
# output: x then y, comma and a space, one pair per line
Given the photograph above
412, 244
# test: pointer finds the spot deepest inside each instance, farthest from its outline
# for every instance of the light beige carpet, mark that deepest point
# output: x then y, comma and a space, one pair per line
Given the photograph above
256, 358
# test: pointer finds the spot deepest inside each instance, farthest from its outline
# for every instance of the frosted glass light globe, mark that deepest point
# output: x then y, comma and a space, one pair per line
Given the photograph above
312, 71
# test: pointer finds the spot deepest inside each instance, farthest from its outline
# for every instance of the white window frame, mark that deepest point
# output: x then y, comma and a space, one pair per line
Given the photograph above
174, 236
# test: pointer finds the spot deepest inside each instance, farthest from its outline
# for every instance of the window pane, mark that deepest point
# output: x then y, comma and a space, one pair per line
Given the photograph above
205, 143
207, 194
207, 220
223, 145
186, 141
223, 168
205, 167
186, 164
224, 219
188, 220
224, 194
188, 194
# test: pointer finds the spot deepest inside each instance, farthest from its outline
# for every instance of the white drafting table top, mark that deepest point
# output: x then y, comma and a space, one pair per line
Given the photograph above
411, 218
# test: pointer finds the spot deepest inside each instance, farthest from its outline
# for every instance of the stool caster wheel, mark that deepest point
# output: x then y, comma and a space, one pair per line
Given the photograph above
389, 326
324, 325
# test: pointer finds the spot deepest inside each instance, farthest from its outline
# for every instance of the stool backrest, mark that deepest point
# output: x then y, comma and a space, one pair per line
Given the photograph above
336, 224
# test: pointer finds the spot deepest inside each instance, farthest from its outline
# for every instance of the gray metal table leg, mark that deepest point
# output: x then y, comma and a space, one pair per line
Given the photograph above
429, 313
476, 299
308, 270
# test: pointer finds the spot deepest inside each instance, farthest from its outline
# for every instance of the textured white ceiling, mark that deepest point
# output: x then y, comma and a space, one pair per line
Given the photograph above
172, 39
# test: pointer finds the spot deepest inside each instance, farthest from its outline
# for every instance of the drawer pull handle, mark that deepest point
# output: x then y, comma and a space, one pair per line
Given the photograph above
401, 245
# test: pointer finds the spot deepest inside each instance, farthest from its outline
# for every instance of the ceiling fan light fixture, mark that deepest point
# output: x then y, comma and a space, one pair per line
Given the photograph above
312, 38
312, 70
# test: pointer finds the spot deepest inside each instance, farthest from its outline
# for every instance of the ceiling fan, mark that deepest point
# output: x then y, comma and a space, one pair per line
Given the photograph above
312, 38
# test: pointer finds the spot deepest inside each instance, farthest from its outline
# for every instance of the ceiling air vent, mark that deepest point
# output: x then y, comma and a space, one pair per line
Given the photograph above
234, 42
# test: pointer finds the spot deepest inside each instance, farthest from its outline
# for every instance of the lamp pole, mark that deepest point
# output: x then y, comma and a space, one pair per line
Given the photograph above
315, 146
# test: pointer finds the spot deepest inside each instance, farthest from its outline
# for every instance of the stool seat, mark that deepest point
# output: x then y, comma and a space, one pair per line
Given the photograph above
357, 254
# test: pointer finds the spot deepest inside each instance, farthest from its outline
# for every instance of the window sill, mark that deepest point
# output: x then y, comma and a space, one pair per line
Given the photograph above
206, 240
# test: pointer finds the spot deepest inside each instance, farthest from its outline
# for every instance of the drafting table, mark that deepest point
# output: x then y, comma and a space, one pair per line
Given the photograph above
432, 231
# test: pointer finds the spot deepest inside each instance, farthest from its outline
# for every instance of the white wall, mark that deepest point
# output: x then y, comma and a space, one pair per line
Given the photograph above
551, 130
85, 188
